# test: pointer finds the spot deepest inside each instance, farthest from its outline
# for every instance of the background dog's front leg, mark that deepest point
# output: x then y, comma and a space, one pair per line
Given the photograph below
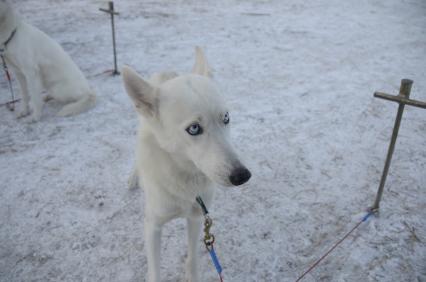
153, 248
24, 108
192, 263
34, 87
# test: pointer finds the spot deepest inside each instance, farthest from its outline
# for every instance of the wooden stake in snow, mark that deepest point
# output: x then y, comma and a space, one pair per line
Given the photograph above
112, 13
402, 99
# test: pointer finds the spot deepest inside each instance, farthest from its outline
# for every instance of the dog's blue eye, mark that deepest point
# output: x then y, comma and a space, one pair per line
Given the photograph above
194, 129
226, 118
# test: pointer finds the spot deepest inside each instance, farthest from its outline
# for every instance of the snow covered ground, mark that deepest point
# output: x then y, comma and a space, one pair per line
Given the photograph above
299, 76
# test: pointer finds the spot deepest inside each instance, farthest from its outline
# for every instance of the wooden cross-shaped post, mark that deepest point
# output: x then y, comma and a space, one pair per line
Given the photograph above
403, 99
112, 13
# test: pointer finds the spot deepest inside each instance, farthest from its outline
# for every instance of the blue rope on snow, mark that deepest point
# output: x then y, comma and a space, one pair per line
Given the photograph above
367, 216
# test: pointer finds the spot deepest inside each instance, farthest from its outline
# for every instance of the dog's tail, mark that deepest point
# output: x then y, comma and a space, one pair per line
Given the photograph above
85, 103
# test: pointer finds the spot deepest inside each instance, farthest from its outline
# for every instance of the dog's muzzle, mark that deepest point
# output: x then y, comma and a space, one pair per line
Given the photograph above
239, 176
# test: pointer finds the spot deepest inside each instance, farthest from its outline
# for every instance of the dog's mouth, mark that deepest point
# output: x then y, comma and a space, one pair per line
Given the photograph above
224, 169
237, 177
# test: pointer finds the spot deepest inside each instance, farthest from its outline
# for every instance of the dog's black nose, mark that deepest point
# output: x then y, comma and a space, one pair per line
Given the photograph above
239, 176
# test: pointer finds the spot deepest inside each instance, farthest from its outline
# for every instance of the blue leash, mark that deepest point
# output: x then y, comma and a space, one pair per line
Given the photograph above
215, 261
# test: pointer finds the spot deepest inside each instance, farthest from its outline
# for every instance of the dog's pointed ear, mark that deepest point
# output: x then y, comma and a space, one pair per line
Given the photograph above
142, 93
201, 66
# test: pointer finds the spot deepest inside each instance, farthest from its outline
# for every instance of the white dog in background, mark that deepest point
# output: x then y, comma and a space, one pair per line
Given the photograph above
40, 63
183, 147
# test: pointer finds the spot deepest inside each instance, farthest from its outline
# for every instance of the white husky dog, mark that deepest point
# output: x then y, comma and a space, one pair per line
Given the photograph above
40, 63
183, 146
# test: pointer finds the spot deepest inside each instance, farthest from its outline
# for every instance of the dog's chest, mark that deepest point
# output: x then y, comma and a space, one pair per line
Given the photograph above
166, 177
174, 196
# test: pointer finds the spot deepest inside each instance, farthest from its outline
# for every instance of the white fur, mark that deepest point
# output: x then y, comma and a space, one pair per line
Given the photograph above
173, 166
40, 63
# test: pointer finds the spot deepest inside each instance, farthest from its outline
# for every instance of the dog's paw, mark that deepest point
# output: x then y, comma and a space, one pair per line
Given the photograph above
191, 278
47, 98
23, 112
33, 118
133, 182
192, 274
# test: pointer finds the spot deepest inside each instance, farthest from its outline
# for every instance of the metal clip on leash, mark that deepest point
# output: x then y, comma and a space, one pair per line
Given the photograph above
209, 238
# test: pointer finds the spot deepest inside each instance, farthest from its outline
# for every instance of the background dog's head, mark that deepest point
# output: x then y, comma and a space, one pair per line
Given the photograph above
190, 121
8, 20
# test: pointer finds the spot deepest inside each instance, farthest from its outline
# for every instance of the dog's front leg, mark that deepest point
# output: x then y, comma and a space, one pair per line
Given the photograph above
153, 247
192, 263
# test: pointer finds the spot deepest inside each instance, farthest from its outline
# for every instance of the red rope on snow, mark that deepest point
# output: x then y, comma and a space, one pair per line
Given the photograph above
335, 245
11, 104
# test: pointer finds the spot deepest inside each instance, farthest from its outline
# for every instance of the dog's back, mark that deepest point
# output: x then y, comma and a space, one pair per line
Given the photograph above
60, 75
42, 64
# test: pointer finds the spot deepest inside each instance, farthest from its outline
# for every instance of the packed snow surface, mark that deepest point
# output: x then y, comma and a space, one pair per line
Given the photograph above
299, 77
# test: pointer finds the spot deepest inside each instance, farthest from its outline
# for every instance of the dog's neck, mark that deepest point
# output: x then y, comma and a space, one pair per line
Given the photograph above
183, 174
